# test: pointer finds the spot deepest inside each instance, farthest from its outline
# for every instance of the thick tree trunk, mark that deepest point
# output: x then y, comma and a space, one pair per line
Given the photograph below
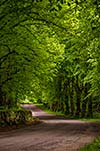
56, 104
84, 103
90, 108
66, 100
2, 99
78, 103
66, 105
62, 107
83, 112
78, 98
72, 108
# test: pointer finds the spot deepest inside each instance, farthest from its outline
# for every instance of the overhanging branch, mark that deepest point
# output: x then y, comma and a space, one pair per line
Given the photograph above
3, 58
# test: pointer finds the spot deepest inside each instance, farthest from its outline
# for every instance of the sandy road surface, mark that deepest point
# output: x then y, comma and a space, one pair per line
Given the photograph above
53, 134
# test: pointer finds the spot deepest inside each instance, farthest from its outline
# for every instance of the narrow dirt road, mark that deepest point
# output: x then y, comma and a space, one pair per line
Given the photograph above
53, 134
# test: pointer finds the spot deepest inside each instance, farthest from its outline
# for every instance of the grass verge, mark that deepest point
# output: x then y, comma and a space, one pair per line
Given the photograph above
95, 119
94, 146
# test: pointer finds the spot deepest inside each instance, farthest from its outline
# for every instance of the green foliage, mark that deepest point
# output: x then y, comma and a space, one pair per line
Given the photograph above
27, 47
45, 107
49, 51
93, 146
76, 84
14, 116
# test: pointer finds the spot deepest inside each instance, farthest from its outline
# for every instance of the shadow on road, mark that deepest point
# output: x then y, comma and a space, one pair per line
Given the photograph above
54, 133
57, 125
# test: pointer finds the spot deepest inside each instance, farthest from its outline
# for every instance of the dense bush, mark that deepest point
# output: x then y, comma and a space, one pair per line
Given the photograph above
14, 116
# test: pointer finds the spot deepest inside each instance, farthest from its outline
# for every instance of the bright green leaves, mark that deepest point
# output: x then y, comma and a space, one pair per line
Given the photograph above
29, 50
44, 40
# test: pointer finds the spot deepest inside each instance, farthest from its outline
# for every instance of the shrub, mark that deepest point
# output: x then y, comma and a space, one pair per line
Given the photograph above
14, 116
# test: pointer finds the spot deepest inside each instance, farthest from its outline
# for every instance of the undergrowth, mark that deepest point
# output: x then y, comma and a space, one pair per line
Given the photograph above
14, 116
96, 116
94, 146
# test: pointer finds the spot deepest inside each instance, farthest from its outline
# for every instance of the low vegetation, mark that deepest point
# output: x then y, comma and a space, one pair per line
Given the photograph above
95, 118
9, 117
94, 146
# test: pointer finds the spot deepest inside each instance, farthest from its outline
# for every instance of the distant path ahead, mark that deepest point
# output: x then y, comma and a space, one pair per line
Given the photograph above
53, 134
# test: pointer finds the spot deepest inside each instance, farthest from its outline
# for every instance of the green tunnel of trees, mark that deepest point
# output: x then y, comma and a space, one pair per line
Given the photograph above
50, 51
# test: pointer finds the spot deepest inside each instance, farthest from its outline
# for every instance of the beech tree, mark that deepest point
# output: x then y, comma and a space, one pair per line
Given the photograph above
25, 48
50, 50
76, 78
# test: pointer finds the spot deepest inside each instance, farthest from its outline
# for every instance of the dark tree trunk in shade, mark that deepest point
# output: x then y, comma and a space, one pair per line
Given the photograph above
90, 108
78, 98
66, 105
72, 107
84, 102
66, 98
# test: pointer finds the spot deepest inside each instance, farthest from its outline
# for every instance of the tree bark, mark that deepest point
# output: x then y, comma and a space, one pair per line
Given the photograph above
78, 98
66, 99
84, 103
72, 107
90, 108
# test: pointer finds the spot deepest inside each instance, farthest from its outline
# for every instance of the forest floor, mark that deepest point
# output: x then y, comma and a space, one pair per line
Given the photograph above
54, 133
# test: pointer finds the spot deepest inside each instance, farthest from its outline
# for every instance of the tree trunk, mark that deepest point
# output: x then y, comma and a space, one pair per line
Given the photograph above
2, 98
90, 108
72, 108
78, 98
66, 100
84, 103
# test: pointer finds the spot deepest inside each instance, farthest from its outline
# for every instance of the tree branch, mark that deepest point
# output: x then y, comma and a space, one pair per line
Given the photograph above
3, 58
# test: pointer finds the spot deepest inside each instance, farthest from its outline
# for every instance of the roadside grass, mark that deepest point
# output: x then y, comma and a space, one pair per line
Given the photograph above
94, 146
96, 116
91, 119
42, 107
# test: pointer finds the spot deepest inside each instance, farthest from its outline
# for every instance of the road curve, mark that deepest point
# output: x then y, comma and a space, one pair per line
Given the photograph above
53, 134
